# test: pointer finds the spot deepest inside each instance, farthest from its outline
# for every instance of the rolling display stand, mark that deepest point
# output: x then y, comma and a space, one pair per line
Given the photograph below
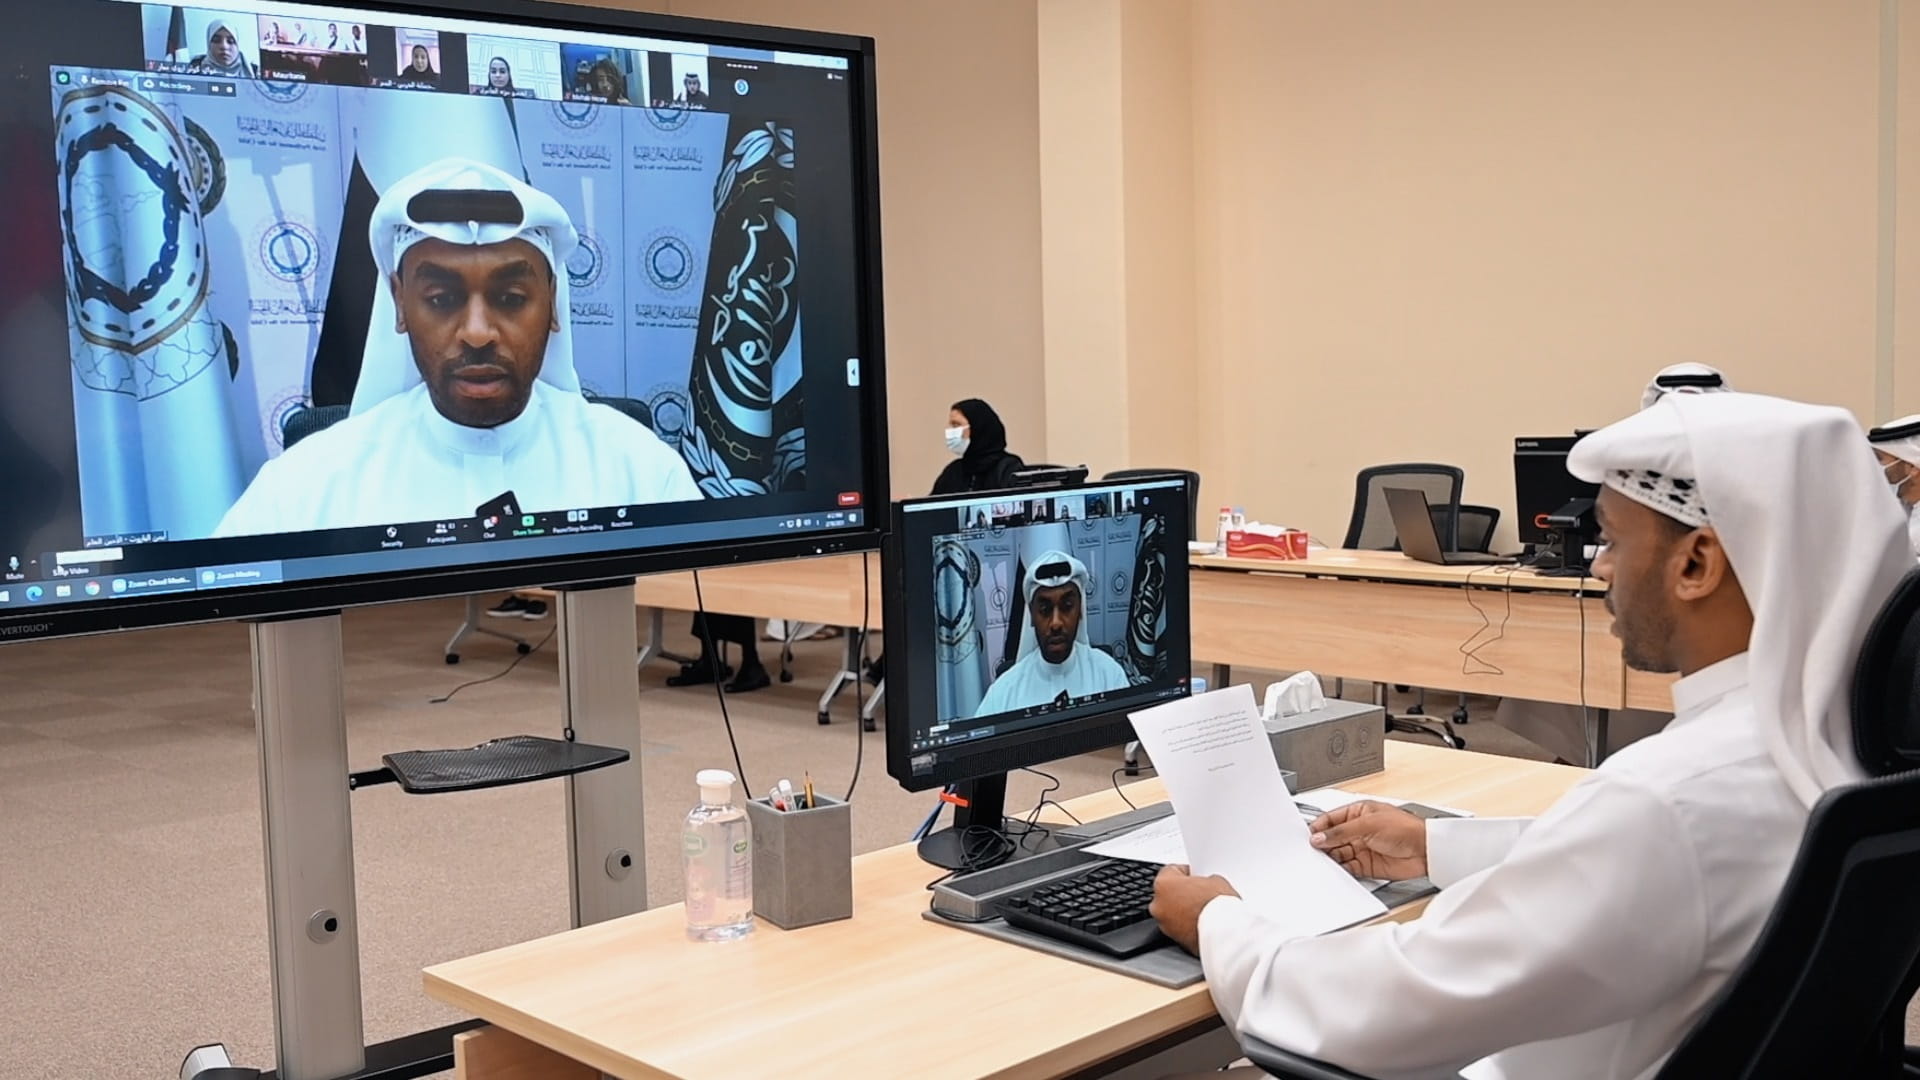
305, 785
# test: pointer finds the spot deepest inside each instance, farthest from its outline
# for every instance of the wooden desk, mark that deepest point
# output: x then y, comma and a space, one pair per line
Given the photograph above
1372, 615
1382, 617
862, 997
1395, 567
1651, 692
823, 590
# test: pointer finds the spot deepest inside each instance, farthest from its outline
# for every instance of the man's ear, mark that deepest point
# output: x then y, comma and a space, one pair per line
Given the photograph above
553, 287
1706, 567
399, 309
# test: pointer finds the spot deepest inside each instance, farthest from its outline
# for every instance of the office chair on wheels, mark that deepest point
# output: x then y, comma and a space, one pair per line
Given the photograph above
1825, 990
1371, 529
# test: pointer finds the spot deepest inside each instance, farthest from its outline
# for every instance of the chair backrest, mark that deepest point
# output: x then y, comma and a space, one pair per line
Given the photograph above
1886, 685
1371, 528
1824, 991
303, 422
1476, 525
1193, 492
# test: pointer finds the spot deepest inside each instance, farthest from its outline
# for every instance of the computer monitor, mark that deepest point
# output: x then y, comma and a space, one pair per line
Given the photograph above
312, 306
1542, 484
1025, 626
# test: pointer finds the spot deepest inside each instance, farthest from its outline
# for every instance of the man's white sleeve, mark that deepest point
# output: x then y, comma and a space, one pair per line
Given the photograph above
1458, 848
1596, 911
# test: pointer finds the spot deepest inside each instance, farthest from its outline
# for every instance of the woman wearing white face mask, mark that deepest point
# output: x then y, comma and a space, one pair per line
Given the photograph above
975, 433
1897, 445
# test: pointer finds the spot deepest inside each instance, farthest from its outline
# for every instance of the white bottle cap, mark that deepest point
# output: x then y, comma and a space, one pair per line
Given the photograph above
716, 786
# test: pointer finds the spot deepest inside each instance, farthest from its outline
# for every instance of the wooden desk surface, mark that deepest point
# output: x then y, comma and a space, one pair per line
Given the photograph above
1394, 566
824, 590
863, 997
1647, 691
1534, 645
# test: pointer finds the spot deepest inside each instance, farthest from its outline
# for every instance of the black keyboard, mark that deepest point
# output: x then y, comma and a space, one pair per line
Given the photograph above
1104, 908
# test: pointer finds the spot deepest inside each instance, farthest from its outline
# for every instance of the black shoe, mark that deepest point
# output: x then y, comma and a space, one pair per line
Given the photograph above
699, 673
513, 607
749, 680
535, 609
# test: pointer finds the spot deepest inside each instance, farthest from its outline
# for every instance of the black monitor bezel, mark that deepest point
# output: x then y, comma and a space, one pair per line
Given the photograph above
1006, 753
321, 595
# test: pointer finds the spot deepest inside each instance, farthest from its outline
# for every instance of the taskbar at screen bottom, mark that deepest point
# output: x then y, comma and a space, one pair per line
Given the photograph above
954, 735
92, 574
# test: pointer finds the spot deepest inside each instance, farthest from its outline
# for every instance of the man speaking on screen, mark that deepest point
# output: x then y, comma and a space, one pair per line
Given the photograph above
474, 392
1057, 663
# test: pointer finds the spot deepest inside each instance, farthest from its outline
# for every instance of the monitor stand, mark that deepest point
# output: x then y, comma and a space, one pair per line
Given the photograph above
979, 837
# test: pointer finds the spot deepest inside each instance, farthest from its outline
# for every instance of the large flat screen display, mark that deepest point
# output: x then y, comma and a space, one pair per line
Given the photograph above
305, 306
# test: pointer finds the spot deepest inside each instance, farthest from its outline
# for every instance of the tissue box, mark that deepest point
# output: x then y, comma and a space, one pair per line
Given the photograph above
1281, 544
1332, 744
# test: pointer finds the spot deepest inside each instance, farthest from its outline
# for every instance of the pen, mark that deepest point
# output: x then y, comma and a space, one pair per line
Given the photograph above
786, 795
810, 803
773, 799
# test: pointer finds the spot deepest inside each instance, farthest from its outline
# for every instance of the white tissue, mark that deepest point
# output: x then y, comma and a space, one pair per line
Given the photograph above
1299, 693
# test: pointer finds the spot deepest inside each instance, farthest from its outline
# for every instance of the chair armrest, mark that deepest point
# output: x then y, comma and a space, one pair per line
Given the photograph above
1287, 1065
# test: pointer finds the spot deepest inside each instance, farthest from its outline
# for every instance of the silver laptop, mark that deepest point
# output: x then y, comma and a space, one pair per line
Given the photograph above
1413, 520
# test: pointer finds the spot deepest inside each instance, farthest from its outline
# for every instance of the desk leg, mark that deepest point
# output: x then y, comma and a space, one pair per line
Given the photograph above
655, 648
1222, 676
494, 1054
1596, 738
471, 626
873, 705
849, 672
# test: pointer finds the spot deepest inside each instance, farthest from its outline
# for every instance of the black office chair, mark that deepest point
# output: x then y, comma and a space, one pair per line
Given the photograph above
632, 407
307, 419
1193, 491
1825, 990
1474, 526
1371, 526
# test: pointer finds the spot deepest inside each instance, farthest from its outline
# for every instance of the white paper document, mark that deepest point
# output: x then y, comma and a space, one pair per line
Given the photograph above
1161, 842
1155, 842
1236, 817
1328, 799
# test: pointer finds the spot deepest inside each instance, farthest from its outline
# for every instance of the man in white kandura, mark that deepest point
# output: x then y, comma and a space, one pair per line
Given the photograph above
473, 391
1749, 544
1686, 378
1056, 660
1559, 729
1897, 445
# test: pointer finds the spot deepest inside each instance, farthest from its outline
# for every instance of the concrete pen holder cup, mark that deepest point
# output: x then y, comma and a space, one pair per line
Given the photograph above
802, 863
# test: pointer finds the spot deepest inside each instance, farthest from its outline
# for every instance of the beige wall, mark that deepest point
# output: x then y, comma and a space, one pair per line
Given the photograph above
959, 182
1405, 231
1084, 257
1422, 229
1116, 204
